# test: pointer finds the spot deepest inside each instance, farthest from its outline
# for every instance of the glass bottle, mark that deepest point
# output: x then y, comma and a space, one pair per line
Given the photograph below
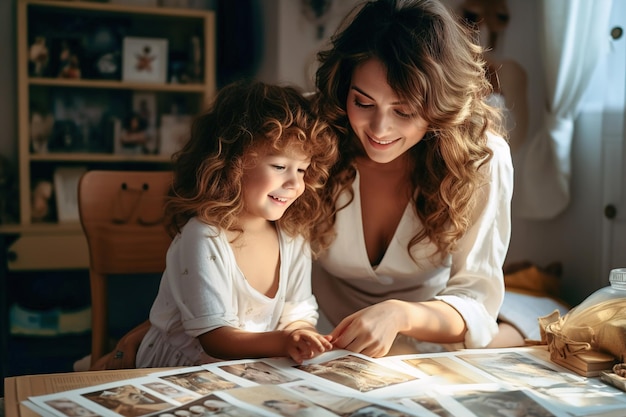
616, 289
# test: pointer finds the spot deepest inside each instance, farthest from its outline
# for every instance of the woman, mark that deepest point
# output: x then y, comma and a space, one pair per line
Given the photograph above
423, 187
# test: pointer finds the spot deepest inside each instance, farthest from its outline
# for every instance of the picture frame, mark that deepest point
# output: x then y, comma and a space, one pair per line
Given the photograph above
144, 59
174, 132
67, 57
137, 131
66, 192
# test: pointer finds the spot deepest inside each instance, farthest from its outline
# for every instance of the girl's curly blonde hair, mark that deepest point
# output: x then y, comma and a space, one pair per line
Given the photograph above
435, 64
245, 120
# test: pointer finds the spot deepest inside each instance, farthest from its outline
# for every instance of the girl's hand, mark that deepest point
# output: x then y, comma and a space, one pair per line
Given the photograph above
305, 344
370, 331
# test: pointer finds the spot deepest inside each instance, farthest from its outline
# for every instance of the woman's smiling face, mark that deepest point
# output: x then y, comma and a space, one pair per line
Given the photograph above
383, 123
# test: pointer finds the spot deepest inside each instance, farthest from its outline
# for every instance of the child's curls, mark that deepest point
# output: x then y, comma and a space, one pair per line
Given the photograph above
246, 119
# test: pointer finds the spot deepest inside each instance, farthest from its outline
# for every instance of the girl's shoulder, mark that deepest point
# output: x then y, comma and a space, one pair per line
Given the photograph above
297, 244
197, 228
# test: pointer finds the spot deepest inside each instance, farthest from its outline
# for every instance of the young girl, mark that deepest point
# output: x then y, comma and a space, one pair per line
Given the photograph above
241, 209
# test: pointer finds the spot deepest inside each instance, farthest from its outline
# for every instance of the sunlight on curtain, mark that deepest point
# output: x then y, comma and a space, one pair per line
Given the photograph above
574, 37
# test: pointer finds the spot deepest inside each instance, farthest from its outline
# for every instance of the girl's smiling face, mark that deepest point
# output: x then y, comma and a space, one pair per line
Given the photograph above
383, 123
273, 184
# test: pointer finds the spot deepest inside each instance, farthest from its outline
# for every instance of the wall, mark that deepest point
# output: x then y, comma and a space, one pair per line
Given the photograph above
291, 40
575, 237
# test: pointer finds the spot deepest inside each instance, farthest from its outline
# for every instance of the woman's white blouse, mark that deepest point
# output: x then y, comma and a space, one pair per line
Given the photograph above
470, 280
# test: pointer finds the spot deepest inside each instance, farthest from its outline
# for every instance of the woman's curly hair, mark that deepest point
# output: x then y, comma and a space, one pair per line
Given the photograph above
434, 64
248, 119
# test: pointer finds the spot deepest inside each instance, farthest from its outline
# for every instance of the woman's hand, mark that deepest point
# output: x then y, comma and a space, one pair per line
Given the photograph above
305, 344
372, 330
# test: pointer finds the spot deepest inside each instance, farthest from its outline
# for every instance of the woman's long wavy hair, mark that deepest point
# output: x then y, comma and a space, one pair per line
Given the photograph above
246, 120
435, 64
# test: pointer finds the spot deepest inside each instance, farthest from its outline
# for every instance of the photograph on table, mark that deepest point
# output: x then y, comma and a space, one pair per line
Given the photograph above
128, 400
446, 371
210, 405
257, 371
357, 373
200, 381
276, 399
502, 404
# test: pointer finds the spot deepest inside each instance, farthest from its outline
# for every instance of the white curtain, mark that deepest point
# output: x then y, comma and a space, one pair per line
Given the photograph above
574, 36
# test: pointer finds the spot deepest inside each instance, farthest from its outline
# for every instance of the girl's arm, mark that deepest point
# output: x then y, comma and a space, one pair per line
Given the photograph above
299, 341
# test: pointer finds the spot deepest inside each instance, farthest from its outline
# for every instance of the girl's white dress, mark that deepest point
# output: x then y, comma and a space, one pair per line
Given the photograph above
202, 289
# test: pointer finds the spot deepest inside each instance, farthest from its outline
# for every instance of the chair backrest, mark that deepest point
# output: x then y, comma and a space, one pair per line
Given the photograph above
121, 214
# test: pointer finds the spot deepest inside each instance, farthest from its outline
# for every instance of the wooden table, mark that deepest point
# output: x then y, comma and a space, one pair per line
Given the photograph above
18, 388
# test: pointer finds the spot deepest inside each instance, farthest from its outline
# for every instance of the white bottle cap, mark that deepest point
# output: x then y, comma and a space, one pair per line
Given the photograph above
618, 276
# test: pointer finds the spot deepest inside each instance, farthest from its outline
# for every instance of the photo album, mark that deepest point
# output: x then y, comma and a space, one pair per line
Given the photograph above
497, 382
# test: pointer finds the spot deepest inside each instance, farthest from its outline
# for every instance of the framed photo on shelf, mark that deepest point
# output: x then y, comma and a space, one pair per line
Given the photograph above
144, 59
174, 133
66, 191
137, 132
67, 57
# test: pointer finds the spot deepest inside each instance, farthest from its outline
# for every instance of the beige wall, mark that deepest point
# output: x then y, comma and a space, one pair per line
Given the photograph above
291, 40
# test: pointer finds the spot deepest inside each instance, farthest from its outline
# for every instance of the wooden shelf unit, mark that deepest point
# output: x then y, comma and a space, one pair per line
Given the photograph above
35, 18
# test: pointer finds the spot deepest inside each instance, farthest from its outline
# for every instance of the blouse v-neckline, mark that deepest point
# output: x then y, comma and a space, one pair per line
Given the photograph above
358, 209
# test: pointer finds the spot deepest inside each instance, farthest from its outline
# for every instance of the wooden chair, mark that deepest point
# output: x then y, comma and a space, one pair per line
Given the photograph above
121, 214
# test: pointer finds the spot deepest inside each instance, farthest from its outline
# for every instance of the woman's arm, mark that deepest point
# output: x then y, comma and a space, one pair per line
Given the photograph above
466, 309
372, 330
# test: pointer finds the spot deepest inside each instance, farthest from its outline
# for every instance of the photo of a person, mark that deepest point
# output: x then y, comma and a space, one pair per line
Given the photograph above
503, 404
128, 401
206, 406
202, 382
432, 404
276, 399
339, 404
518, 369
378, 411
259, 372
70, 408
138, 131
294, 408
446, 371
357, 373
170, 391
134, 136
